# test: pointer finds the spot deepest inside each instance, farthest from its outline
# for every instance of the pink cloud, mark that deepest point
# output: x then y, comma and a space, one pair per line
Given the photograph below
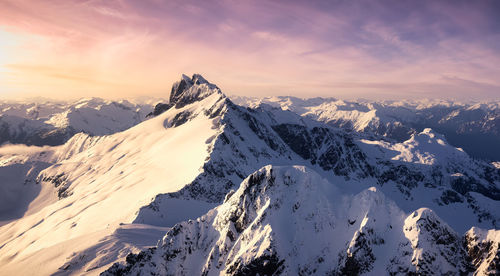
252, 48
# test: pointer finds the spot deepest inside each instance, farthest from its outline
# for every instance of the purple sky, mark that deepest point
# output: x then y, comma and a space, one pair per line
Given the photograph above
345, 49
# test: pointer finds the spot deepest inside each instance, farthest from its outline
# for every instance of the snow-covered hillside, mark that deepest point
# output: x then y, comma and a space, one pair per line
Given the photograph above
85, 189
475, 127
53, 123
291, 221
76, 208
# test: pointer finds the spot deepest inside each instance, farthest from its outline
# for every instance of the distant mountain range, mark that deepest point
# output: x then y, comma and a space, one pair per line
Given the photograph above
475, 127
206, 185
53, 123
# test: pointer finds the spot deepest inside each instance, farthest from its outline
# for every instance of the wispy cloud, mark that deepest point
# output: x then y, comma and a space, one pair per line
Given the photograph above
371, 49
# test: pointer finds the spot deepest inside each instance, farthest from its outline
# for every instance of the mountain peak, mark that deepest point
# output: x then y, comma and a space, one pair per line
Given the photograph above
195, 79
431, 133
189, 90
431, 141
199, 79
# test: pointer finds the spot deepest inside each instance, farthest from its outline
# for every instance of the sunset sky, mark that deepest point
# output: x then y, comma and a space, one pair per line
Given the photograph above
346, 49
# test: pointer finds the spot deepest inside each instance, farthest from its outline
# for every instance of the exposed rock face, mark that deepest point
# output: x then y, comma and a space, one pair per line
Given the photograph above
25, 131
290, 221
331, 150
59, 181
159, 109
437, 249
190, 90
483, 248
183, 93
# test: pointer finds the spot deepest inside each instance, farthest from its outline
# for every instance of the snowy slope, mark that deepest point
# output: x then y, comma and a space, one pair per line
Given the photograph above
291, 221
96, 183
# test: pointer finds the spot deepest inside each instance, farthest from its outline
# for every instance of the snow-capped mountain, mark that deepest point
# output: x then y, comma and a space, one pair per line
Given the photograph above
53, 123
291, 221
475, 127
423, 170
73, 208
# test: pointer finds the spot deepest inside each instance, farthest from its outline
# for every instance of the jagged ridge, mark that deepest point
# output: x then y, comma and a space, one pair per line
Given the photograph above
265, 227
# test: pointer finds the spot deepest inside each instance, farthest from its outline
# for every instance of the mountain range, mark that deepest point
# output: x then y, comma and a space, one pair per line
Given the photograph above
475, 127
53, 123
203, 185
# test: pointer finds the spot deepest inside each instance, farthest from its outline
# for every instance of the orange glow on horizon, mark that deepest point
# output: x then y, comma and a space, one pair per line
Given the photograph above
117, 49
